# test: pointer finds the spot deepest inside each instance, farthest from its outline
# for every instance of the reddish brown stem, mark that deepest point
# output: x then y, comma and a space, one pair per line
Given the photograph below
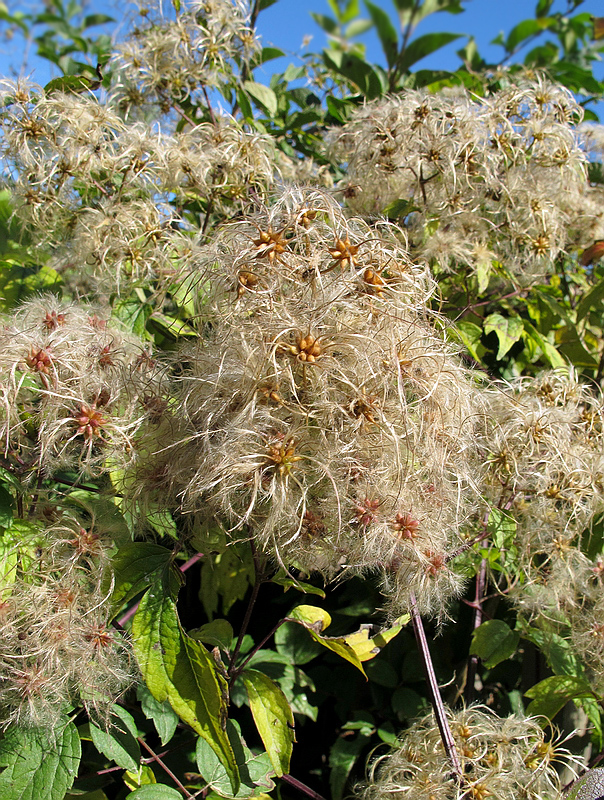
435, 696
481, 579
166, 769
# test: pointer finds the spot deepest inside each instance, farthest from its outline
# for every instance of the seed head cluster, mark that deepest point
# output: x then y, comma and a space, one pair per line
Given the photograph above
506, 758
477, 180
322, 413
57, 647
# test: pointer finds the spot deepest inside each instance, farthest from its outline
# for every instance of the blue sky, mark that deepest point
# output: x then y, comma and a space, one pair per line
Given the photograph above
288, 22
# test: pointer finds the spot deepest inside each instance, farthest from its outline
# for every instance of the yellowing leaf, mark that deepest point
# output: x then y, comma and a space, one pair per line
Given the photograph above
273, 717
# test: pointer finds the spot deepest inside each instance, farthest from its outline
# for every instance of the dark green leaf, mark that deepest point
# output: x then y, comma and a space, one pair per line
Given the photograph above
386, 31
423, 46
96, 19
118, 743
162, 714
493, 642
37, 765
592, 299
524, 30
342, 758
218, 633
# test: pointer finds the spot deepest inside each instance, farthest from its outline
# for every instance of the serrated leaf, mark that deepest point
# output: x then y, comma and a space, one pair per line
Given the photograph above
163, 715
273, 717
263, 95
508, 330
552, 694
494, 642
256, 771
39, 766
118, 743
180, 670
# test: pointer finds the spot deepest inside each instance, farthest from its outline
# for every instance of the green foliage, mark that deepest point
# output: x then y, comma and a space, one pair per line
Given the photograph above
38, 765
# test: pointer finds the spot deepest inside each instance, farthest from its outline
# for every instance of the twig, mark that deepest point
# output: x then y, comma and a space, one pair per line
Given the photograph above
302, 787
436, 699
478, 598
259, 646
166, 769
248, 615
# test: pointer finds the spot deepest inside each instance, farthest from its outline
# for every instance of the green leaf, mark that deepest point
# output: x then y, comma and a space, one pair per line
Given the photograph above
525, 29
501, 527
293, 642
154, 791
163, 715
558, 651
96, 19
136, 566
470, 335
218, 633
118, 743
386, 31
263, 95
551, 355
593, 299
273, 717
9, 561
75, 84
367, 79
552, 694
289, 583
37, 765
342, 758
227, 575
256, 770
509, 330
180, 670
494, 642
423, 46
